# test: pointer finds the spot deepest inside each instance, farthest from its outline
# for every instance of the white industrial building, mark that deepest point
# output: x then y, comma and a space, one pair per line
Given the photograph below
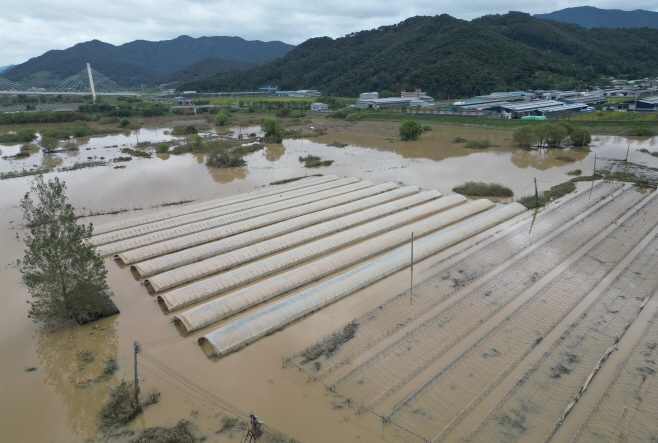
304, 93
319, 107
368, 95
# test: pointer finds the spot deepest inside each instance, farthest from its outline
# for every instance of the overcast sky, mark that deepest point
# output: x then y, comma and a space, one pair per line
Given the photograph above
29, 28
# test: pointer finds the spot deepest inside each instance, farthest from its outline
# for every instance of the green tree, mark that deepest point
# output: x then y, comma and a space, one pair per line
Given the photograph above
352, 117
556, 135
525, 137
581, 137
124, 122
541, 131
410, 130
162, 148
221, 119
26, 135
273, 131
48, 144
64, 275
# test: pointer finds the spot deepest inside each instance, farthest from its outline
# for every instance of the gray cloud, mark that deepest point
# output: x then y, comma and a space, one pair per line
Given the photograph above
30, 27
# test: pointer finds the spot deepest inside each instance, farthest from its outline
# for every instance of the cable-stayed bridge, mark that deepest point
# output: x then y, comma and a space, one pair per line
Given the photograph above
86, 82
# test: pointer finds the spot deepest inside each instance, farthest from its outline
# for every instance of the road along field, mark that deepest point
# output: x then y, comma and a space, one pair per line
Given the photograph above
500, 345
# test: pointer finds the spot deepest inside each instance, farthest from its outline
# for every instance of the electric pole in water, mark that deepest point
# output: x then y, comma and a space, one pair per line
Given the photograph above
137, 348
536, 194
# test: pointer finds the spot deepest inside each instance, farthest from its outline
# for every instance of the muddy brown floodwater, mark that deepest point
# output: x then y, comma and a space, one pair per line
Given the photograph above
60, 400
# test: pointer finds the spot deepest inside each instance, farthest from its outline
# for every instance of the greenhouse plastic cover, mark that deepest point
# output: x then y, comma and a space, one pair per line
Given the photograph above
242, 331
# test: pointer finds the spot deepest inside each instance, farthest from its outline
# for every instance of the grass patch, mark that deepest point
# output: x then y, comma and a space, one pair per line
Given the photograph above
331, 344
293, 179
480, 189
479, 144
459, 140
85, 357
311, 161
555, 192
575, 172
120, 407
337, 144
136, 153
639, 132
182, 202
31, 369
122, 159
184, 130
181, 433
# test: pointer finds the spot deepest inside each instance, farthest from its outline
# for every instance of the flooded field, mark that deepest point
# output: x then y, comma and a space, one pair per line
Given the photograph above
466, 346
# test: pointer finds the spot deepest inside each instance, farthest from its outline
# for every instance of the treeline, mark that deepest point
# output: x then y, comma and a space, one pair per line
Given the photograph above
448, 57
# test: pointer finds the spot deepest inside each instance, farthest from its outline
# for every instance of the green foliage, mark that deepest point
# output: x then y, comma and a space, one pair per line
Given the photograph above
525, 137
283, 112
555, 192
80, 129
410, 130
480, 189
450, 57
63, 273
226, 158
124, 122
459, 140
478, 144
580, 137
312, 161
48, 144
293, 179
221, 119
161, 148
24, 135
296, 114
120, 406
352, 117
108, 120
273, 131
187, 130
555, 135
427, 128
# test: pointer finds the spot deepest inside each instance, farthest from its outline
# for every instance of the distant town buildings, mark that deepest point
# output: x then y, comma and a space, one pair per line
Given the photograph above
412, 99
418, 93
182, 101
304, 93
319, 107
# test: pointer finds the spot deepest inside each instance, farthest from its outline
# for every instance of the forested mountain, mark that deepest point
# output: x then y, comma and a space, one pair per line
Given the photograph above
447, 56
591, 17
140, 61
204, 69
3, 68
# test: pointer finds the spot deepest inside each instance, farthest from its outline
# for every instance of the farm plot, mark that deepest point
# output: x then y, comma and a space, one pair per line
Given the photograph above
532, 410
384, 320
447, 397
627, 411
377, 378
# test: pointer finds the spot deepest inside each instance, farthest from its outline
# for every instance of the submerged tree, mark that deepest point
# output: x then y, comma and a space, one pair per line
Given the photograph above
410, 130
65, 276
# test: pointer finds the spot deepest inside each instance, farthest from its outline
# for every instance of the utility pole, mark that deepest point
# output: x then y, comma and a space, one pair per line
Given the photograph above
595, 164
137, 348
412, 251
628, 149
536, 194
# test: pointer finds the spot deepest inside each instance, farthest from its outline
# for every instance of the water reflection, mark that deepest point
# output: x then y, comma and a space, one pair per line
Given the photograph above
51, 161
543, 159
163, 156
274, 152
227, 175
62, 356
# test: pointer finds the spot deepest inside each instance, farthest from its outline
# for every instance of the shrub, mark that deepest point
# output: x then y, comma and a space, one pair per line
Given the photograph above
120, 406
480, 189
478, 144
427, 128
459, 140
283, 112
225, 158
557, 191
24, 135
296, 114
187, 130
48, 144
352, 117
581, 137
311, 161
80, 129
273, 131
162, 148
525, 137
410, 130
124, 122
221, 119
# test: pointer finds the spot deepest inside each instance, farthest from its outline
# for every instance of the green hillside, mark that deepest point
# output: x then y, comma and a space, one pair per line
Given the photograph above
591, 17
140, 61
446, 56
204, 69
